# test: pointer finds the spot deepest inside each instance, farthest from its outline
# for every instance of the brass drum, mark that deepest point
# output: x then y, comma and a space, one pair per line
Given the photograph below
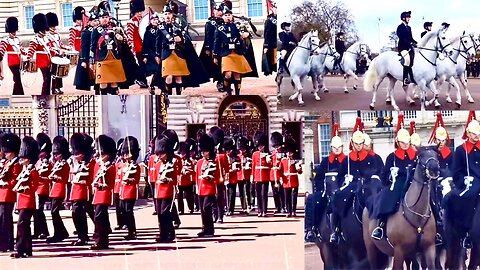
29, 66
73, 56
60, 67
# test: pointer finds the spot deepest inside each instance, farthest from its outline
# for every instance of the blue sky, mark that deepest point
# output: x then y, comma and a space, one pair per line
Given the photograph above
461, 14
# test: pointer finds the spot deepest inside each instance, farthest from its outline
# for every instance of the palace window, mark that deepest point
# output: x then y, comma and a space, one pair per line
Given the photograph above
202, 9
255, 8
324, 133
29, 12
67, 14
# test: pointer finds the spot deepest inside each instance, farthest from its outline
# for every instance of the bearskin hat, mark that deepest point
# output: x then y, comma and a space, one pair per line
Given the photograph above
206, 143
11, 25
39, 23
229, 144
228, 4
105, 145
78, 13
44, 143
81, 144
218, 136
261, 139
136, 6
119, 146
60, 146
290, 145
276, 139
132, 147
10, 143
173, 137
163, 145
29, 149
52, 19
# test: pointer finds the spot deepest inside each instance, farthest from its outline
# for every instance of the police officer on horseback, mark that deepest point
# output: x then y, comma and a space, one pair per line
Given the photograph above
406, 42
340, 48
288, 43
428, 27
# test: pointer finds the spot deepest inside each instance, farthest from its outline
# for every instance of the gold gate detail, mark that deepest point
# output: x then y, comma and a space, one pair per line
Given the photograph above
77, 114
243, 118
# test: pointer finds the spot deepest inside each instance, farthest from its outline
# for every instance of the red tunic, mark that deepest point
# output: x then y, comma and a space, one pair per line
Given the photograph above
152, 177
168, 171
59, 187
129, 190
26, 199
118, 177
133, 36
261, 168
206, 186
44, 170
11, 48
39, 47
275, 175
74, 38
80, 191
104, 196
232, 172
290, 173
188, 173
245, 168
9, 174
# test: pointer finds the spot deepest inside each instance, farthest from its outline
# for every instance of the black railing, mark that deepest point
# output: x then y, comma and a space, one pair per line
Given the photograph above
78, 115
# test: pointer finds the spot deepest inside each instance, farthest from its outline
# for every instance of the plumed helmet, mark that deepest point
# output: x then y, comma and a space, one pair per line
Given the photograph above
60, 146
39, 23
11, 25
52, 19
29, 149
10, 143
336, 140
44, 143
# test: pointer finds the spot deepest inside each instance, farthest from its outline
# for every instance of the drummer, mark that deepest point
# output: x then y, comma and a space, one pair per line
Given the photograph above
11, 48
57, 48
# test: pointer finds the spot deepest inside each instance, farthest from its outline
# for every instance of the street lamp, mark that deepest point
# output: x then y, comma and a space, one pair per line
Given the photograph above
116, 6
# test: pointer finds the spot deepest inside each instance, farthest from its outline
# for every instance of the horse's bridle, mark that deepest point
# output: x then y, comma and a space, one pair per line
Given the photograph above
426, 173
442, 49
358, 53
311, 47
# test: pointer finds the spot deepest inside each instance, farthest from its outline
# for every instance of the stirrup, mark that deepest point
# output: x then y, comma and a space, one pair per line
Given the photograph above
438, 239
467, 242
380, 231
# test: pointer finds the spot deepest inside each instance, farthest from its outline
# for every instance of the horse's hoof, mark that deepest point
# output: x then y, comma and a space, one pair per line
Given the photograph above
416, 96
354, 87
346, 91
412, 102
470, 100
302, 104
389, 102
449, 100
458, 105
325, 90
317, 98
372, 107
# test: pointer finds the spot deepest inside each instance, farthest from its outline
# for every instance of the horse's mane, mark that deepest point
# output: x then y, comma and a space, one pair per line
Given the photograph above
355, 45
455, 39
427, 37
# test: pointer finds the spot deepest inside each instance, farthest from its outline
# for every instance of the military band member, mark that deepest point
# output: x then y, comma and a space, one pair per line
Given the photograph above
206, 54
206, 174
119, 208
290, 169
244, 173
74, 36
57, 48
269, 62
394, 176
218, 136
84, 76
229, 51
261, 165
59, 177
288, 43
12, 51
137, 7
10, 147
185, 183
44, 168
130, 182
152, 176
275, 176
232, 170
149, 53
83, 174
39, 52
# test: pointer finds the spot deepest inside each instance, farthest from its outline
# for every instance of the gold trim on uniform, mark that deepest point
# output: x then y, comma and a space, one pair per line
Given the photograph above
235, 63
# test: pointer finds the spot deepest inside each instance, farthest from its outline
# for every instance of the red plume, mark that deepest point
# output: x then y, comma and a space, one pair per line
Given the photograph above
471, 116
400, 123
438, 123
413, 129
269, 5
335, 130
358, 124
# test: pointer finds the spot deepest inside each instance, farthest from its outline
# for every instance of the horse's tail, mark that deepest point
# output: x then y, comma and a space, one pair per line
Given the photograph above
370, 76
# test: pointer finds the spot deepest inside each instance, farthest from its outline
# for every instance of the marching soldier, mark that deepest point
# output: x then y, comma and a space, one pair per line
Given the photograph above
137, 7
206, 54
11, 49
39, 52
185, 183
229, 51
152, 176
288, 43
75, 32
206, 172
10, 147
221, 160
44, 169
394, 177
130, 180
275, 175
84, 76
290, 169
194, 156
244, 173
428, 27
232, 169
406, 42
269, 62
149, 53
119, 208
26, 185
261, 165
83, 174
57, 48
59, 177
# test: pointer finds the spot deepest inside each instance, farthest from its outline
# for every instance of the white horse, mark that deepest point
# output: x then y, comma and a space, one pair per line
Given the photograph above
299, 62
387, 64
317, 67
356, 51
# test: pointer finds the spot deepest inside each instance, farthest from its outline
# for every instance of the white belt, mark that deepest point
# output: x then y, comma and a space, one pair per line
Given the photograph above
262, 167
290, 174
275, 168
375, 177
331, 174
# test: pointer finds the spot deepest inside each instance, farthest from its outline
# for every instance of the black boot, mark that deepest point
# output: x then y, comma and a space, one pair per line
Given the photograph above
114, 90
467, 242
227, 86
220, 86
410, 72
406, 81
168, 86
377, 233
178, 88
237, 84
104, 91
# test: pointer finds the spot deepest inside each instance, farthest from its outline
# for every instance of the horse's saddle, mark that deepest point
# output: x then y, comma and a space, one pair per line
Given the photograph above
404, 58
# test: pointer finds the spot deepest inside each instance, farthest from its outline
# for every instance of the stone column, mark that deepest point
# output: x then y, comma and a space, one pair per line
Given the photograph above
44, 115
306, 186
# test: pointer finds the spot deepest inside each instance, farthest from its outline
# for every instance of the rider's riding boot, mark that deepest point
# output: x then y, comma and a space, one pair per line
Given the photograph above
377, 233
310, 235
410, 72
438, 239
406, 81
467, 242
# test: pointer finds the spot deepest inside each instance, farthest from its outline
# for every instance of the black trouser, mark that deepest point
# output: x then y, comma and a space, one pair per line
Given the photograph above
231, 196
152, 185
262, 196
102, 225
17, 81
6, 226
57, 83
59, 229
219, 206
250, 190
79, 217
47, 78
24, 233
195, 198
141, 75
278, 196
90, 208
206, 206
165, 220
291, 195
188, 196
119, 209
128, 216
175, 216
39, 219
241, 193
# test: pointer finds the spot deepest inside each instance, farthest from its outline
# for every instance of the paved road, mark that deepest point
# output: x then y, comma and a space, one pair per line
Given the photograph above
313, 261
250, 86
242, 242
359, 99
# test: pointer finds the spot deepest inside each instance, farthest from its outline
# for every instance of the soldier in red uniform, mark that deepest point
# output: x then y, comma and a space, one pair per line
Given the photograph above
44, 168
39, 52
25, 187
83, 170
59, 177
130, 181
290, 169
152, 177
103, 190
167, 174
275, 176
261, 165
206, 174
137, 7
11, 48
74, 36
244, 172
119, 164
186, 180
57, 48
218, 136
10, 146
232, 170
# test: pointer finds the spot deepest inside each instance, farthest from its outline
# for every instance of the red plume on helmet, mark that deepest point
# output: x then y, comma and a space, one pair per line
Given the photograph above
400, 123
471, 116
336, 130
438, 123
356, 127
413, 129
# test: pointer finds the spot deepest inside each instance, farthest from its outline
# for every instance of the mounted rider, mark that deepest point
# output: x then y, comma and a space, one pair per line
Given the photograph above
428, 27
406, 43
340, 48
325, 174
288, 43
394, 178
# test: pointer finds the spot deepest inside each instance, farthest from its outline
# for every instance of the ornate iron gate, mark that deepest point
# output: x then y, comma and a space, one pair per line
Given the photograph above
158, 117
77, 114
244, 117
17, 120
